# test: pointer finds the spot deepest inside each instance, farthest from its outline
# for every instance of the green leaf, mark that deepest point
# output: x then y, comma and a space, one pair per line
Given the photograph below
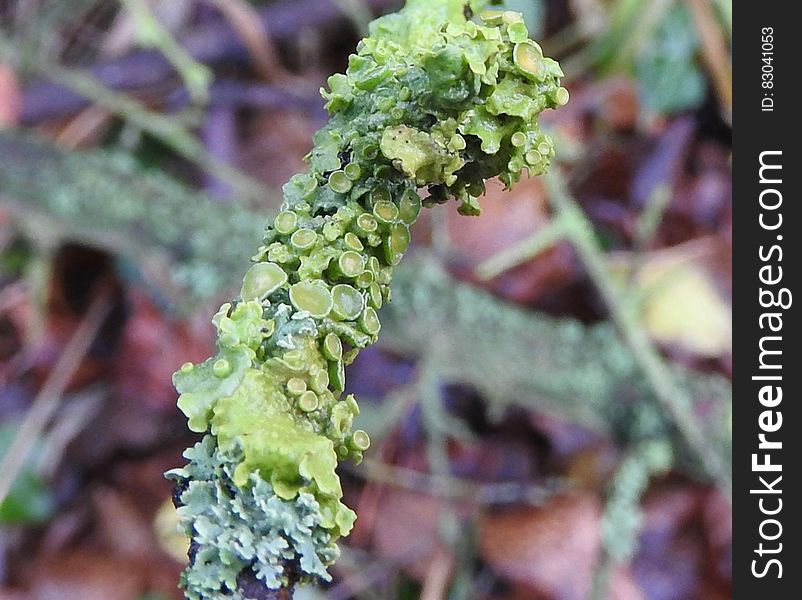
667, 69
29, 500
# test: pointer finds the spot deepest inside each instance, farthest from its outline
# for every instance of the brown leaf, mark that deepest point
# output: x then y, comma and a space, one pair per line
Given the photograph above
406, 530
274, 145
153, 347
553, 548
703, 199
496, 458
81, 575
123, 528
671, 560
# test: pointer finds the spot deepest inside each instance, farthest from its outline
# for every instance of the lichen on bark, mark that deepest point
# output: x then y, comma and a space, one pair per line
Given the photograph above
431, 101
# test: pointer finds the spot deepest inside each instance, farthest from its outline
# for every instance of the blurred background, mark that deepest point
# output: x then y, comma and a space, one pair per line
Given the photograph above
550, 400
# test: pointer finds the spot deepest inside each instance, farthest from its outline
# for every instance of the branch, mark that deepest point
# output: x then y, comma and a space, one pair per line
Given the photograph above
166, 129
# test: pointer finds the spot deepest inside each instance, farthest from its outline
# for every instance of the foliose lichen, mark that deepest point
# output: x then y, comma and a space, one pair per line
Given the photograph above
432, 100
236, 527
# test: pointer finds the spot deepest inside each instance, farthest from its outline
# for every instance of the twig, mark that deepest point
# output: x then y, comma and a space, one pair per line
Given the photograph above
83, 127
12, 294
254, 33
196, 76
163, 127
622, 519
438, 576
77, 415
456, 488
523, 251
673, 397
49, 397
646, 228
211, 43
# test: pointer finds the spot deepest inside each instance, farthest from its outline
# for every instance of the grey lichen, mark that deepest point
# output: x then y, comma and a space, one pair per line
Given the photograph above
236, 528
558, 366
106, 199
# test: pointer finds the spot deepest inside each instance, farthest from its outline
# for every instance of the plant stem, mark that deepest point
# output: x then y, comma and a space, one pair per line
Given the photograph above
523, 251
49, 397
673, 398
166, 129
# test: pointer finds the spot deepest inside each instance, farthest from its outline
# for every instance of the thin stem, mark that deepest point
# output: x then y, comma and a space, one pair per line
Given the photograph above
162, 127
673, 397
523, 251
197, 77
456, 488
713, 41
49, 397
646, 228
165, 128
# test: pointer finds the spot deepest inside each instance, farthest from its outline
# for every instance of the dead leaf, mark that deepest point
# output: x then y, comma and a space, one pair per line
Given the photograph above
153, 347
552, 549
406, 529
681, 305
121, 526
670, 562
274, 144
82, 575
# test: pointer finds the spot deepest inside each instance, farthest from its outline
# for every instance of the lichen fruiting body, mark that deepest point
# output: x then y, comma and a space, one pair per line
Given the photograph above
431, 101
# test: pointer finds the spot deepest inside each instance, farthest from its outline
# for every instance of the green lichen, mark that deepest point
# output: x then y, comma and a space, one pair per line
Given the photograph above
430, 100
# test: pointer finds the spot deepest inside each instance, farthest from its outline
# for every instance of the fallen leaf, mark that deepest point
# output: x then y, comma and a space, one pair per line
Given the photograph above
274, 144
81, 575
406, 529
552, 549
153, 347
669, 564
681, 305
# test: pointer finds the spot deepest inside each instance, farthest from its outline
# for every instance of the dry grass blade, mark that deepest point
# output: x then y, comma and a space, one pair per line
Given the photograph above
49, 397
435, 586
252, 30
